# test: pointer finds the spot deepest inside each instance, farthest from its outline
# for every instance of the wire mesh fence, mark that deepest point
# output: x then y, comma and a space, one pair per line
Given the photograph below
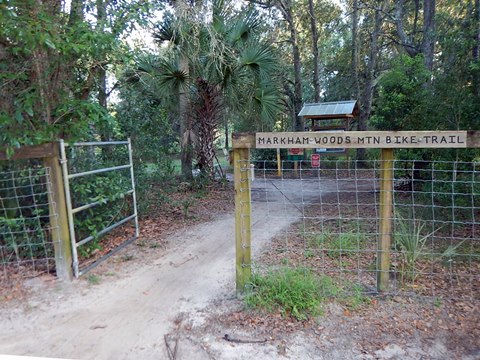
26, 246
89, 210
329, 224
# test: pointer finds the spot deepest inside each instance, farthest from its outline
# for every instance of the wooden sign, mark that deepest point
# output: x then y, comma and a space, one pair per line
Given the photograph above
29, 152
315, 160
366, 139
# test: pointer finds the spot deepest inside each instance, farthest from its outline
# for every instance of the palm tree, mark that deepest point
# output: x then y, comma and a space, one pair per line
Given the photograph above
209, 65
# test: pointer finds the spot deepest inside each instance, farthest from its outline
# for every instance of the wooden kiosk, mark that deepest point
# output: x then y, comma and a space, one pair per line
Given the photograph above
330, 116
336, 115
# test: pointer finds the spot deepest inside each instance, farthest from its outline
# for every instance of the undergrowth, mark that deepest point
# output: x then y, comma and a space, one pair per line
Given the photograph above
299, 293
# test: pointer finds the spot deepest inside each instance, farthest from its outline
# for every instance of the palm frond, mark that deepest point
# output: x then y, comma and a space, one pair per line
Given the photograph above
243, 27
169, 75
146, 64
268, 100
165, 30
160, 73
218, 15
259, 59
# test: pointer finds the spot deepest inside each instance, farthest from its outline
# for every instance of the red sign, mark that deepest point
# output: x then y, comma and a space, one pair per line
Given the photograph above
315, 160
295, 151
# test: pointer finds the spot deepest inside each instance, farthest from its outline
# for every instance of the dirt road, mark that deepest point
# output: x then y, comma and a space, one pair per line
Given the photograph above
184, 291
127, 315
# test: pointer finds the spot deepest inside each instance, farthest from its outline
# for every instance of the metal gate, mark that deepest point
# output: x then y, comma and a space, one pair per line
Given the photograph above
67, 154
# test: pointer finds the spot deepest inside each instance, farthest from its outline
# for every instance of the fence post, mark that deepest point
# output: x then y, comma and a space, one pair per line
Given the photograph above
58, 217
243, 230
279, 163
386, 220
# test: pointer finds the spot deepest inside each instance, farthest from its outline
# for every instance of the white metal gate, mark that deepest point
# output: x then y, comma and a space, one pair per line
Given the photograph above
71, 211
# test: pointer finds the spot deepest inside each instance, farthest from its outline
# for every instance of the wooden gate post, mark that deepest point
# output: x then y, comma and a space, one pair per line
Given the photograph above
386, 220
58, 217
243, 230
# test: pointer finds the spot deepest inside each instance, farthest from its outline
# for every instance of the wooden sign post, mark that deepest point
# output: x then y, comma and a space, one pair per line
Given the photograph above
385, 140
279, 163
243, 213
384, 243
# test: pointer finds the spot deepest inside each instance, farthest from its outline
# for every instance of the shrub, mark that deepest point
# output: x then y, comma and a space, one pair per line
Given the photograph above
410, 239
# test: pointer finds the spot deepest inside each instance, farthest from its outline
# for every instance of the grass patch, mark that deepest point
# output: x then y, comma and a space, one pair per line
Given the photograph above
93, 279
319, 241
345, 244
127, 257
335, 244
299, 293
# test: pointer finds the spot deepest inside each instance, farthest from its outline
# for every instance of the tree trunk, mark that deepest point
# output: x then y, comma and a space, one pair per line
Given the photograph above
476, 47
76, 12
207, 111
316, 70
428, 43
41, 65
476, 21
186, 135
411, 49
370, 80
415, 20
102, 73
356, 83
298, 92
297, 69
285, 8
226, 134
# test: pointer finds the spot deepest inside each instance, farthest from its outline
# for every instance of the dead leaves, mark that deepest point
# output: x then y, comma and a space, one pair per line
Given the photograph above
170, 217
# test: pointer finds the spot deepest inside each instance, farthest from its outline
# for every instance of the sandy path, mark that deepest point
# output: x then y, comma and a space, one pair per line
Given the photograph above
127, 317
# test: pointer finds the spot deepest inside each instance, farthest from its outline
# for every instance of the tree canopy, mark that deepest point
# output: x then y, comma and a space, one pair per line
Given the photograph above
71, 69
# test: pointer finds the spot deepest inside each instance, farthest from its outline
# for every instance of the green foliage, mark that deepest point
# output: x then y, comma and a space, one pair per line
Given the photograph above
105, 189
108, 189
50, 66
224, 58
24, 219
454, 188
399, 105
293, 292
344, 244
87, 250
410, 238
321, 240
34, 107
186, 204
300, 293
141, 116
23, 238
408, 99
449, 255
228, 53
94, 279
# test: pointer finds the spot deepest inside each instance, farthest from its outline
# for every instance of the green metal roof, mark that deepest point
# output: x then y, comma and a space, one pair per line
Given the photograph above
333, 110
